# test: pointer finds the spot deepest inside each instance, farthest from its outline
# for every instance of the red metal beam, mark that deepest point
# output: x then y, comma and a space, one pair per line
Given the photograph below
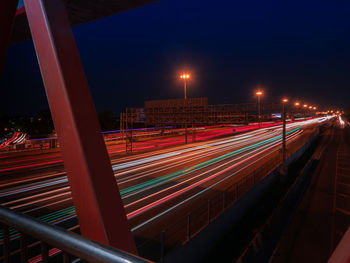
7, 18
94, 189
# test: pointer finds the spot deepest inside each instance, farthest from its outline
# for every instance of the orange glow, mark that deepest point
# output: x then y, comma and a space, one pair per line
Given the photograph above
297, 104
315, 108
284, 100
185, 76
259, 93
305, 105
310, 107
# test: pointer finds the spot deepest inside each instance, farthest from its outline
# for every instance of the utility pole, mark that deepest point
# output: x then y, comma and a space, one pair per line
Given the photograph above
259, 93
131, 130
184, 77
126, 130
284, 154
193, 133
121, 121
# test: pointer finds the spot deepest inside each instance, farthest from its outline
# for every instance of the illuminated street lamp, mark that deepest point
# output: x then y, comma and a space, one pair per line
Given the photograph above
297, 110
258, 94
304, 111
184, 77
284, 101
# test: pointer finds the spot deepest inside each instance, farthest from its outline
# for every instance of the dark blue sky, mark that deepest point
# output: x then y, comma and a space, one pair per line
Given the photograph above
298, 49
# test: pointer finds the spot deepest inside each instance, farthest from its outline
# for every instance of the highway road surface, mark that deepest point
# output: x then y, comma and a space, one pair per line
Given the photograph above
157, 187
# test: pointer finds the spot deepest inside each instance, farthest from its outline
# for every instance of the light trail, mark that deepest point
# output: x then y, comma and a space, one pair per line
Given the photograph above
30, 165
193, 185
135, 166
43, 218
192, 196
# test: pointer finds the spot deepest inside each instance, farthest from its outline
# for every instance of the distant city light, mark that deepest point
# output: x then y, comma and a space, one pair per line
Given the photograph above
284, 100
305, 105
297, 104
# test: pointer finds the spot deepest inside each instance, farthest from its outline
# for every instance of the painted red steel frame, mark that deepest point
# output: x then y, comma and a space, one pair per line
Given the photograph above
94, 189
7, 17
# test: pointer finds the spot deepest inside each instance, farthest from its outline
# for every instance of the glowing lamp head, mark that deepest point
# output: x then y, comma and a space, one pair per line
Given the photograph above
285, 100
259, 93
310, 107
184, 76
315, 108
297, 104
305, 105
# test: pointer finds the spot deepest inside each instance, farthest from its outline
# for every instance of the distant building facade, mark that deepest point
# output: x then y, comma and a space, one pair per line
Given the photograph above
197, 112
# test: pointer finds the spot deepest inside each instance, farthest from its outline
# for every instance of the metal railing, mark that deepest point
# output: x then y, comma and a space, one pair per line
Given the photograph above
51, 241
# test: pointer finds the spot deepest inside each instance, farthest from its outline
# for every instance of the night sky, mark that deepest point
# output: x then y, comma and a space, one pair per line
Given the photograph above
299, 49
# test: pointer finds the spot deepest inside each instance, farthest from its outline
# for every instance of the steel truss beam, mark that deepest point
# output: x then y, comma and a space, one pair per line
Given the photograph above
94, 189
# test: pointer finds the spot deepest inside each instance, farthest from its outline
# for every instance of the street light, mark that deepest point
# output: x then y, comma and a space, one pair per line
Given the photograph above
305, 107
284, 101
296, 112
184, 77
259, 93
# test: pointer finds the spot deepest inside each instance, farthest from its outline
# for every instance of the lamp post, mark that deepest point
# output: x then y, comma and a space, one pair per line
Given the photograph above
305, 107
310, 111
296, 104
184, 77
284, 101
258, 94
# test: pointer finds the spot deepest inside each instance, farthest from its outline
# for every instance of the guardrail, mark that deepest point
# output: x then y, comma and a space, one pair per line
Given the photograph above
51, 241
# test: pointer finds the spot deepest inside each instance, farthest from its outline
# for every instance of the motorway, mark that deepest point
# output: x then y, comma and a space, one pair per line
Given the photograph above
157, 187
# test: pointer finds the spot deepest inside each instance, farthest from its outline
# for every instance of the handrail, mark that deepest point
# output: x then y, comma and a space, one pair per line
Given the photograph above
64, 240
